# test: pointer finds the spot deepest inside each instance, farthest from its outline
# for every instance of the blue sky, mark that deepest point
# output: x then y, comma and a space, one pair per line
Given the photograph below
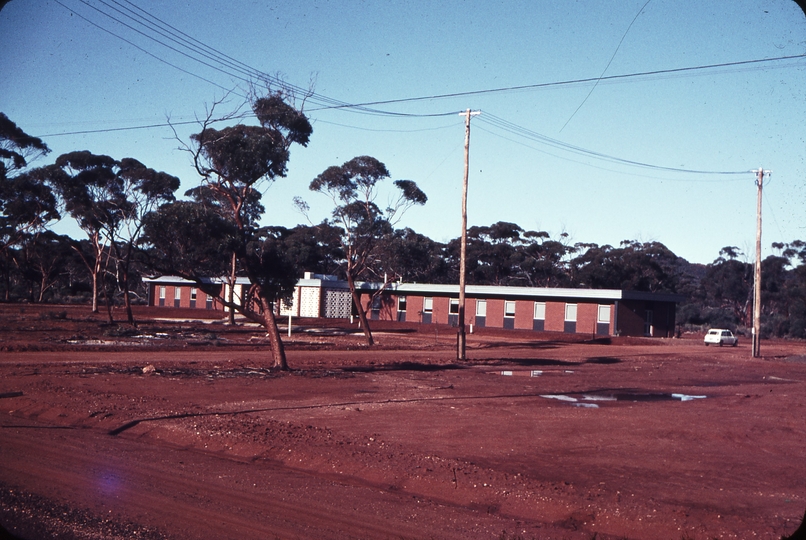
536, 149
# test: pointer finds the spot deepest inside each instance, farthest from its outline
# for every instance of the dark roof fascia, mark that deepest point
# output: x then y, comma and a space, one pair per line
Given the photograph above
652, 297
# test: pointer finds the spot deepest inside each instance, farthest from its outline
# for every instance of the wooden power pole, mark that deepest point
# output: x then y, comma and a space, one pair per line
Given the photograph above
757, 270
462, 337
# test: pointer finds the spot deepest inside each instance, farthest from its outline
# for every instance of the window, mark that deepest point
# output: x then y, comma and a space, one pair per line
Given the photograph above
571, 312
428, 305
481, 308
454, 307
177, 293
193, 293
540, 311
604, 314
509, 309
162, 292
401, 303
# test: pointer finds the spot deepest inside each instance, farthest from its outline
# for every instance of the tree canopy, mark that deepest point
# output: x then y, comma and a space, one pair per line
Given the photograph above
234, 163
365, 227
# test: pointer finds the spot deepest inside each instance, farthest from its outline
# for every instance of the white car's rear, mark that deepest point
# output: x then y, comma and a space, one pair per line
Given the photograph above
720, 336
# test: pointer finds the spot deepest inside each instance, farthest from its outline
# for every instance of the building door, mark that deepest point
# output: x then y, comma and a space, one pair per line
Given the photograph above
603, 320
481, 313
539, 319
401, 309
509, 314
570, 323
649, 328
428, 309
453, 312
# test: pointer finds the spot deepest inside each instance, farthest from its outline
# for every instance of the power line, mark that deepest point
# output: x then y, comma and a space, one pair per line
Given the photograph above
245, 73
526, 133
569, 82
141, 48
237, 70
607, 66
586, 163
327, 103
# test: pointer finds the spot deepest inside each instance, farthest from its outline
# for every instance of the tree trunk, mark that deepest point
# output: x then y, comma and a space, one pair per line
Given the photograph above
106, 293
123, 280
43, 286
278, 350
362, 314
231, 296
95, 291
126, 300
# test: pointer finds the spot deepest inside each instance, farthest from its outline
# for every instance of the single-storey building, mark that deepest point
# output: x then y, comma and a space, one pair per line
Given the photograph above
602, 312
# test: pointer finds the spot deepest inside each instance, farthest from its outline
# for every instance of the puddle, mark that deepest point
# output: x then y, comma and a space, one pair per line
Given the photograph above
585, 400
532, 373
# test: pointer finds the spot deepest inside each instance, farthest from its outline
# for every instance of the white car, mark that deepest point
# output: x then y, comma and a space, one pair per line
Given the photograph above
720, 336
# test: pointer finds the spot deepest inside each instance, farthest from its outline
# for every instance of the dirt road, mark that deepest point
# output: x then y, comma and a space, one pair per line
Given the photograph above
535, 437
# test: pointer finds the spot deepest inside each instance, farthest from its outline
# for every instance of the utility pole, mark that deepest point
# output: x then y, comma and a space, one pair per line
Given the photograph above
757, 273
462, 337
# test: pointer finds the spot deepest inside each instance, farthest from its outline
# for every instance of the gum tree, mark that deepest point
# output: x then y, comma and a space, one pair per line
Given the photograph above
108, 200
26, 204
236, 162
353, 188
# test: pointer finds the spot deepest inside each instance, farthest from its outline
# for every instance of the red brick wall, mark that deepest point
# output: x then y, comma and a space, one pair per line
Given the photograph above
524, 314
441, 307
555, 317
586, 318
184, 300
414, 308
495, 313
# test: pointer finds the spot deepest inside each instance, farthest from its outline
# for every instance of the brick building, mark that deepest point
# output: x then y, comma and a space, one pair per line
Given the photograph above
600, 312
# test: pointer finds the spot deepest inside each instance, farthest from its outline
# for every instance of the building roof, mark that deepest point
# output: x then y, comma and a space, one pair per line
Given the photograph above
493, 291
474, 291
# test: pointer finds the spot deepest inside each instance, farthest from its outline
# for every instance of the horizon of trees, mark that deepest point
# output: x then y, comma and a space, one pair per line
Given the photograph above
217, 232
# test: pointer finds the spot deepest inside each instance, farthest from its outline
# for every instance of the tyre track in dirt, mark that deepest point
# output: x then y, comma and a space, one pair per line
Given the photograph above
160, 486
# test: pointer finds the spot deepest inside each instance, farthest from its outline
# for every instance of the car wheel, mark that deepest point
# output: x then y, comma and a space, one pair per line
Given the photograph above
706, 343
720, 342
735, 343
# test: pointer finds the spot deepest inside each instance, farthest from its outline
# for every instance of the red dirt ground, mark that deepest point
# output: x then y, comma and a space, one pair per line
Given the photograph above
396, 441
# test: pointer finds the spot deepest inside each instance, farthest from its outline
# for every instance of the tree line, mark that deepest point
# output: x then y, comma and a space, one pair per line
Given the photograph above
135, 226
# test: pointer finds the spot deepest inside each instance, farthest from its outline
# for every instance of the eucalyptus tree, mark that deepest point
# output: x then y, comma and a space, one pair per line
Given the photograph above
410, 256
89, 191
189, 239
42, 261
251, 211
234, 163
17, 148
108, 200
144, 189
26, 204
728, 284
311, 248
353, 188
647, 266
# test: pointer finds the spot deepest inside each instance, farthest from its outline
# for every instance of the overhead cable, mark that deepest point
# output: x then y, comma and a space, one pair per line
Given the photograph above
529, 134
228, 66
